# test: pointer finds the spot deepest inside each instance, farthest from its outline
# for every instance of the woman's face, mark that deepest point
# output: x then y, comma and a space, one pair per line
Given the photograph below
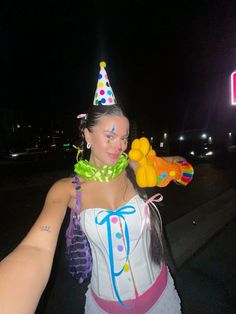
108, 139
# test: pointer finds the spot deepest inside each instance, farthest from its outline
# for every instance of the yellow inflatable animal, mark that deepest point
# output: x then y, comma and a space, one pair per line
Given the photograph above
155, 171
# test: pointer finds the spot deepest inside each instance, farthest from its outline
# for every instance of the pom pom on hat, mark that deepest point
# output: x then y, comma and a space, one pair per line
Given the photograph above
104, 94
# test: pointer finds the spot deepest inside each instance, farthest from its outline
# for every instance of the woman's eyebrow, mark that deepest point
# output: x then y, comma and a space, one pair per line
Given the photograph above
110, 132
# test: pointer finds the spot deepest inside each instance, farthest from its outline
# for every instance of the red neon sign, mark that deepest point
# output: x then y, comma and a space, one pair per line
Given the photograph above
233, 88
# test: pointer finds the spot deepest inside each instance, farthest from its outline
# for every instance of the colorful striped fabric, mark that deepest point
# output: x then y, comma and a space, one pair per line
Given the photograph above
187, 173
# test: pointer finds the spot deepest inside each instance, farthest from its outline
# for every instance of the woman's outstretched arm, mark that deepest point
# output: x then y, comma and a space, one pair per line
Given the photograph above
24, 273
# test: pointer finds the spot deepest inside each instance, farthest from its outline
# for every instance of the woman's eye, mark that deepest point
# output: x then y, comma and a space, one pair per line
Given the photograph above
110, 137
124, 140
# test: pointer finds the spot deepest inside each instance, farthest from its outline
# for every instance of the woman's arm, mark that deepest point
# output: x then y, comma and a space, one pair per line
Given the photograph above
173, 159
135, 165
25, 271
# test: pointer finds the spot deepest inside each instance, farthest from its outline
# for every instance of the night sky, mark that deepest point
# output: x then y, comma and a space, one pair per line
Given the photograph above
172, 60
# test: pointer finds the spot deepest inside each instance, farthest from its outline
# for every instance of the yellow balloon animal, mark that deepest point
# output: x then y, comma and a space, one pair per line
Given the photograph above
155, 171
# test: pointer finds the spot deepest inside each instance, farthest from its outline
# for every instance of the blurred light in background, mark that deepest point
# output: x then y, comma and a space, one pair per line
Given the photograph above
210, 140
233, 88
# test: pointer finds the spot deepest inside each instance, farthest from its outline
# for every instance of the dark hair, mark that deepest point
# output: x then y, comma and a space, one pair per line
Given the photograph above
92, 118
156, 248
96, 112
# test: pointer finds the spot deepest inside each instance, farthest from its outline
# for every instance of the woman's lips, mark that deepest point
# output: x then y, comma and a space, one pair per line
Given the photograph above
113, 156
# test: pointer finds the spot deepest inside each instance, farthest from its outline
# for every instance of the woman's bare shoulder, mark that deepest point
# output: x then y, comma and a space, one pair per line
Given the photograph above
63, 183
65, 186
62, 187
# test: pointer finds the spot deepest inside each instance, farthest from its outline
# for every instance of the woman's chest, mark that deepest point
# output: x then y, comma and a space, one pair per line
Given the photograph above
110, 195
120, 226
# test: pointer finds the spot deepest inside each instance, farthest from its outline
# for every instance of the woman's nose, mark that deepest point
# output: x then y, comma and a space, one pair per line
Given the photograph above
119, 144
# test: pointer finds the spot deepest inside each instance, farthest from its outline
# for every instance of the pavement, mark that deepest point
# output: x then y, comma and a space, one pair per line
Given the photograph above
193, 230
203, 248
207, 281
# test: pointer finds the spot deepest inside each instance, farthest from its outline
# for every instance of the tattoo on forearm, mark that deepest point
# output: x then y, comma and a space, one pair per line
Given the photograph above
45, 228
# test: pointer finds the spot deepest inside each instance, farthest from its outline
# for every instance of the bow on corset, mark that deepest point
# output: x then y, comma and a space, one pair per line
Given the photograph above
104, 217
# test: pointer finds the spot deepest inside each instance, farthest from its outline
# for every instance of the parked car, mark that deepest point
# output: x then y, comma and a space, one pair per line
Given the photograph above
202, 152
33, 153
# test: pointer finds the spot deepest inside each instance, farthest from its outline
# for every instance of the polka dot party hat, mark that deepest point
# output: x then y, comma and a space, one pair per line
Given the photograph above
104, 94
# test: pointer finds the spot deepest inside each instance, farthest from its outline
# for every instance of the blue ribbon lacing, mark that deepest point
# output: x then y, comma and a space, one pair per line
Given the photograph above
119, 213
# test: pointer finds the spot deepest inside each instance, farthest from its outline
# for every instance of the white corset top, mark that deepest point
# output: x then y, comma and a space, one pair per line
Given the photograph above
119, 242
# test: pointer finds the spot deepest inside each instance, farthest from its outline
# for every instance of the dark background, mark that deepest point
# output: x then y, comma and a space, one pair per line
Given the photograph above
168, 62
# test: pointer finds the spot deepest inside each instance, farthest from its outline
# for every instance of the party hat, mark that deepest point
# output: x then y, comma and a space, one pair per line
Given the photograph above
104, 93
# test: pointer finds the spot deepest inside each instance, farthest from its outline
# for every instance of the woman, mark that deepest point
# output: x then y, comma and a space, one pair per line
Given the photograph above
127, 277
119, 276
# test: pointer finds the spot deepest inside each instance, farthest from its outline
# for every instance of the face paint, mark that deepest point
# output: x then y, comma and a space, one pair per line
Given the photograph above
111, 138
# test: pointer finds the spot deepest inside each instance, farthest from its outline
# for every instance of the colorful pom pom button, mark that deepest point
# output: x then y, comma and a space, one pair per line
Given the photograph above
126, 267
114, 220
118, 235
172, 173
120, 248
